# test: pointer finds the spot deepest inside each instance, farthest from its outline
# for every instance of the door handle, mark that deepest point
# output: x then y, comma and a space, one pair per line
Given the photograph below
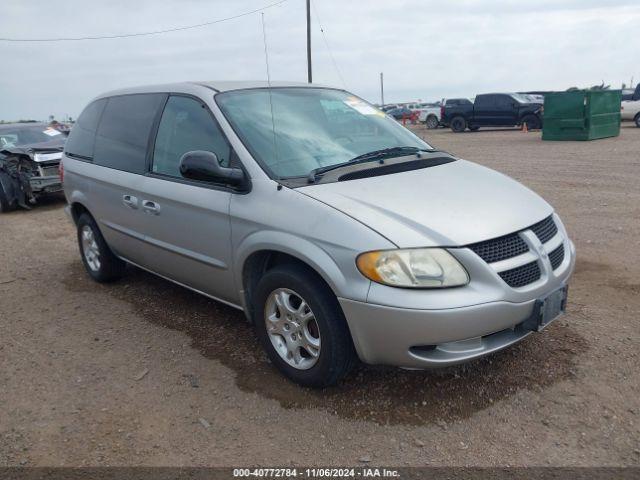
130, 201
151, 207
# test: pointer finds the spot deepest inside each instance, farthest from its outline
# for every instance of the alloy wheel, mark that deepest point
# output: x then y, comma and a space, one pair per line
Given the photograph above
90, 248
292, 328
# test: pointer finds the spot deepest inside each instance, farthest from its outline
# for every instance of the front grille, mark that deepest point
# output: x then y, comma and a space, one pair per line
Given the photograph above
500, 248
513, 245
545, 230
556, 257
521, 276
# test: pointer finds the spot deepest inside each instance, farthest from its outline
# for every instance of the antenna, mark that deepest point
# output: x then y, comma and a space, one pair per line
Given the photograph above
266, 58
266, 52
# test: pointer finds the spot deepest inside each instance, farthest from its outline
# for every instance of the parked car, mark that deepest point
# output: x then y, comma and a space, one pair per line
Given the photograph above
29, 157
337, 231
493, 110
630, 107
430, 116
630, 111
399, 113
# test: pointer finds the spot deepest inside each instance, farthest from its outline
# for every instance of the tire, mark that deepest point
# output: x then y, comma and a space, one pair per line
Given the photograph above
474, 128
458, 124
322, 343
637, 120
98, 259
5, 206
532, 121
431, 122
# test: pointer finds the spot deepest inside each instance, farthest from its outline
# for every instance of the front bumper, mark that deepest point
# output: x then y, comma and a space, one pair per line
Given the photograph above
48, 184
432, 338
435, 328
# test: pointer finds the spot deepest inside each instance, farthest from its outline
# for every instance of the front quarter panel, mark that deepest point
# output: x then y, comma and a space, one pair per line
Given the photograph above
287, 221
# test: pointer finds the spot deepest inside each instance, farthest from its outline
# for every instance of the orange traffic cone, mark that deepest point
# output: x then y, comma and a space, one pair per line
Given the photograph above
525, 127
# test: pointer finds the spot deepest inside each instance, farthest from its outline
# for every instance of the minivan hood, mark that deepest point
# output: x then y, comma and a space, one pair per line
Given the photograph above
454, 204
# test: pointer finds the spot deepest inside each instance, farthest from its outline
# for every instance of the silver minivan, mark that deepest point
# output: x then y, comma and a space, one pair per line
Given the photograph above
338, 232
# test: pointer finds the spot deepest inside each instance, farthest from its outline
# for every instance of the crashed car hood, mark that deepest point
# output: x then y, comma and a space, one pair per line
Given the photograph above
454, 204
39, 152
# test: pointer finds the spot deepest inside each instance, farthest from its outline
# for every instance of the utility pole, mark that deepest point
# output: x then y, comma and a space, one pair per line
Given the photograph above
309, 76
381, 89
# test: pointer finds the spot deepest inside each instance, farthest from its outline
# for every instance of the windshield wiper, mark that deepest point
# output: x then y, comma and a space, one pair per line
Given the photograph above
367, 157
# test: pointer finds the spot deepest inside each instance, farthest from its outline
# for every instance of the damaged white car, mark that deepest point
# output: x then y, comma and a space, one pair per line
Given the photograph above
30, 156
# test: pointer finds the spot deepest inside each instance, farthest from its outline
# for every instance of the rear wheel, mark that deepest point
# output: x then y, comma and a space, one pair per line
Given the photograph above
301, 326
98, 259
532, 121
432, 122
458, 124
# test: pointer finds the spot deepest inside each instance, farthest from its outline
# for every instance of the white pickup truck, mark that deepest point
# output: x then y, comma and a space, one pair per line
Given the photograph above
429, 114
630, 110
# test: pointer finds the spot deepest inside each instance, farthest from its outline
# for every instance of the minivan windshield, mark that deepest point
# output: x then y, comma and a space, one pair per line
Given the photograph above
310, 128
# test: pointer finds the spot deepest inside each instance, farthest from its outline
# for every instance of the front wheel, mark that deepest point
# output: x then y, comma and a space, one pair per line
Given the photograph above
532, 121
301, 326
637, 120
458, 124
98, 259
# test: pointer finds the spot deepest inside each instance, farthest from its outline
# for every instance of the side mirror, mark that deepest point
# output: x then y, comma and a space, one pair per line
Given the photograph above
205, 167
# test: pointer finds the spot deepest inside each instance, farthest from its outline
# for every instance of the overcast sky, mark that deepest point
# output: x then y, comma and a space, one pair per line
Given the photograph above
427, 49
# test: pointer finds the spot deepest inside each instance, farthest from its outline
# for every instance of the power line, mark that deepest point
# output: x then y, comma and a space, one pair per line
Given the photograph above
141, 34
335, 64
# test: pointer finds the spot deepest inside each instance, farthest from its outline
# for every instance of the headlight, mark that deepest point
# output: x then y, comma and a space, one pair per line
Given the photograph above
413, 268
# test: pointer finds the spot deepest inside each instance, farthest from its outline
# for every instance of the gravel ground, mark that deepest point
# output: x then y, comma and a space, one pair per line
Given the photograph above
143, 372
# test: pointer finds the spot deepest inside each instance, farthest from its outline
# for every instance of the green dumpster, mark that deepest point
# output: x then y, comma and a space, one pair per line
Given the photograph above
581, 115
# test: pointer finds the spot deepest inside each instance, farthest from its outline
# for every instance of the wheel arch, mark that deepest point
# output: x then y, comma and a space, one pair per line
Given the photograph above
77, 209
78, 204
264, 250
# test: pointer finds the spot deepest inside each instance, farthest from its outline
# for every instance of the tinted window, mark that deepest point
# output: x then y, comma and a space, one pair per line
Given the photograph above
186, 125
82, 136
121, 141
505, 101
485, 101
458, 101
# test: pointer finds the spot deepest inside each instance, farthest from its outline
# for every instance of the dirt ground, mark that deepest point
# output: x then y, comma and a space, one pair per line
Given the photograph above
143, 372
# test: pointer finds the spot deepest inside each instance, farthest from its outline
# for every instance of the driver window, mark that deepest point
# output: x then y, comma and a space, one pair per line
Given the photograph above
186, 125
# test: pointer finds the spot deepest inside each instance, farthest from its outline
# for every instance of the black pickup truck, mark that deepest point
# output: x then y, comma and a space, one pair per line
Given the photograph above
493, 110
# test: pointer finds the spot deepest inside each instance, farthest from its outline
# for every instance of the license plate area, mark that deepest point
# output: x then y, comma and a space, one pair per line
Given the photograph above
547, 309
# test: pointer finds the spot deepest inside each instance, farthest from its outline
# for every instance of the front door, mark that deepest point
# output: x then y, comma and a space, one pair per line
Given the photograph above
187, 222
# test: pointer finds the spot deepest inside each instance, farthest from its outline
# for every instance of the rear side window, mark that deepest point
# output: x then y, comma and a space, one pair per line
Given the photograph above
123, 134
82, 137
186, 125
505, 101
485, 101
461, 101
